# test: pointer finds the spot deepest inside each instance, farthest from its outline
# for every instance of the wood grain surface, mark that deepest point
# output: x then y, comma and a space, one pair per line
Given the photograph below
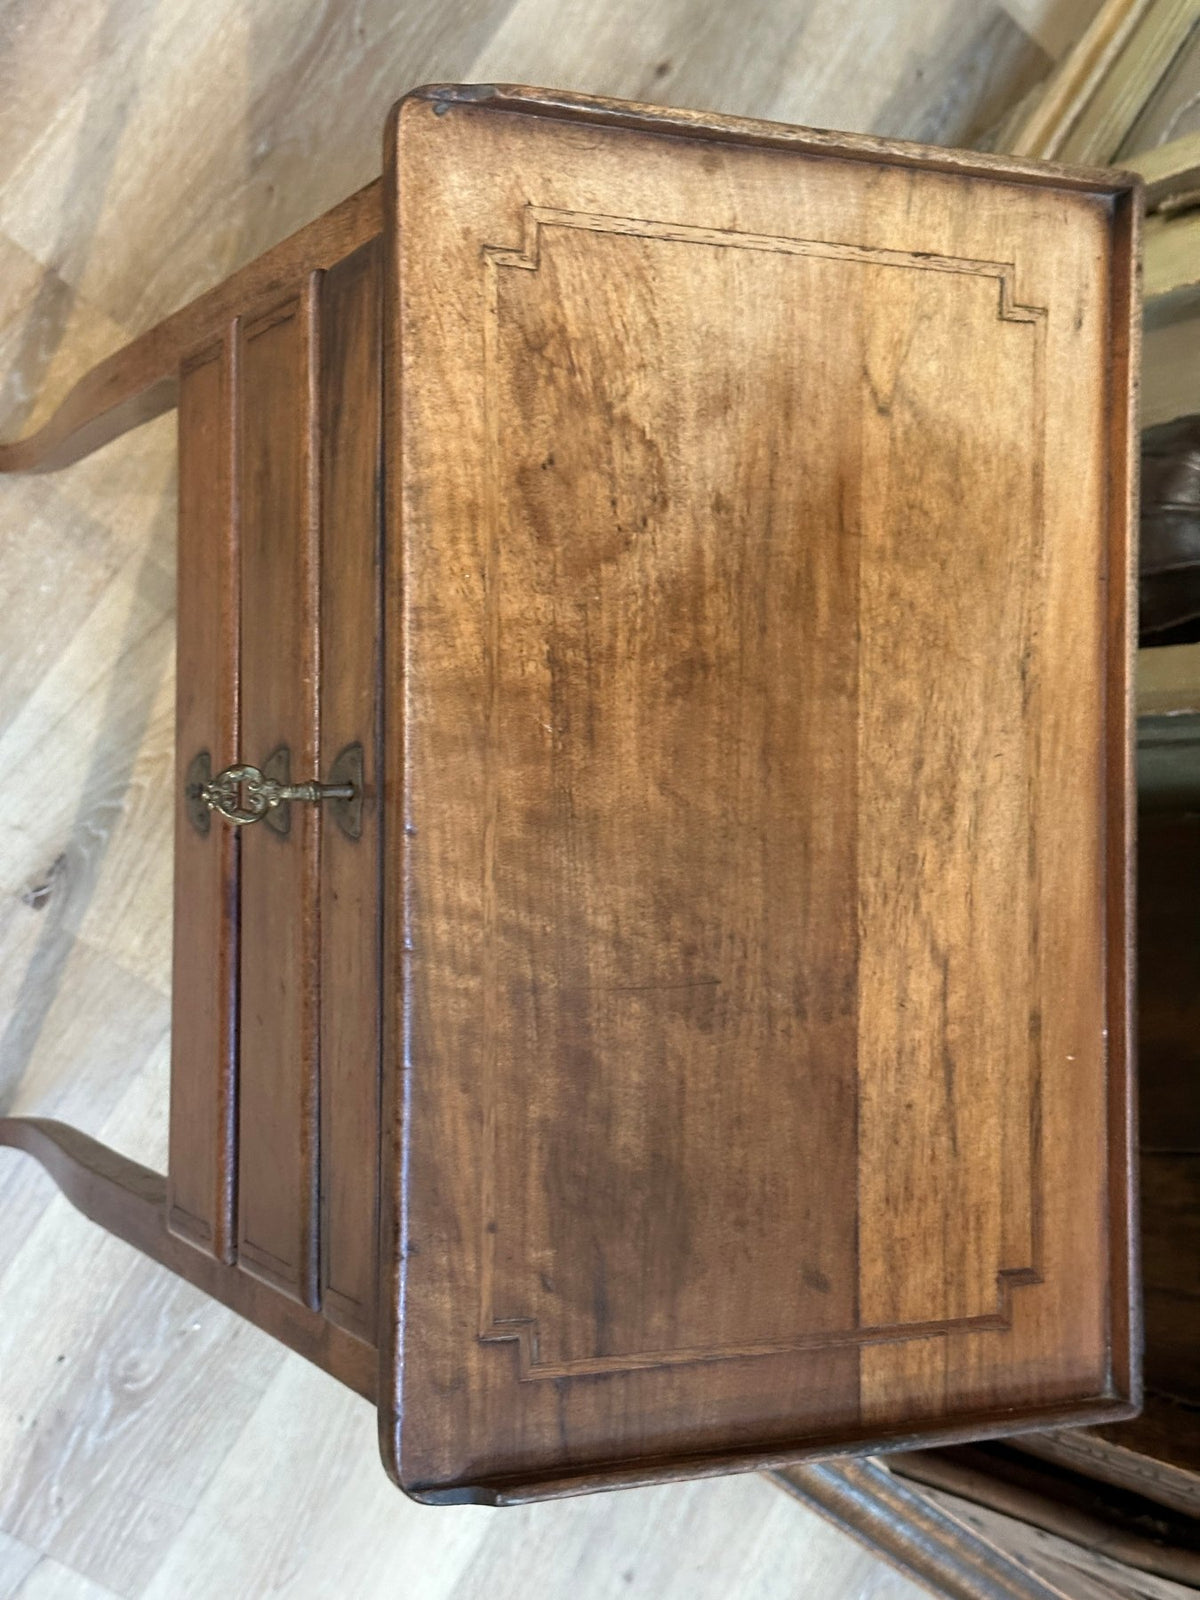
155, 1455
757, 884
351, 424
278, 942
208, 632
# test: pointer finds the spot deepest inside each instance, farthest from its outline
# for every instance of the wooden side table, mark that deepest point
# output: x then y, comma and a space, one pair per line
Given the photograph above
653, 857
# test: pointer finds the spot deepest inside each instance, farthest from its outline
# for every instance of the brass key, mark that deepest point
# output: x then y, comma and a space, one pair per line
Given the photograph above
262, 794
244, 793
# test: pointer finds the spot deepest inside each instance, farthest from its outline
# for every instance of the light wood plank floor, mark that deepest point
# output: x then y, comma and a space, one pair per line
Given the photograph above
150, 1443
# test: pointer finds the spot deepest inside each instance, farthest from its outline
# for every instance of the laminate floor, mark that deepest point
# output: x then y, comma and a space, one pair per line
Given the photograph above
151, 1445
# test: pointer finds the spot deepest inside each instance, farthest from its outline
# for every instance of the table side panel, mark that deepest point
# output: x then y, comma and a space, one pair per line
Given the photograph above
749, 628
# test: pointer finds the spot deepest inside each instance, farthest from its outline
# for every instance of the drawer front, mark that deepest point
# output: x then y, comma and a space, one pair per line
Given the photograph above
275, 1080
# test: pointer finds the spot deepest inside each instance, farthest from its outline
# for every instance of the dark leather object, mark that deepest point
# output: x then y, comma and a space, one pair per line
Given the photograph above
1169, 565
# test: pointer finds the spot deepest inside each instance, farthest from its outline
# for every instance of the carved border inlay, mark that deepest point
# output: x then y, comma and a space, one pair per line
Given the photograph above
523, 1331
